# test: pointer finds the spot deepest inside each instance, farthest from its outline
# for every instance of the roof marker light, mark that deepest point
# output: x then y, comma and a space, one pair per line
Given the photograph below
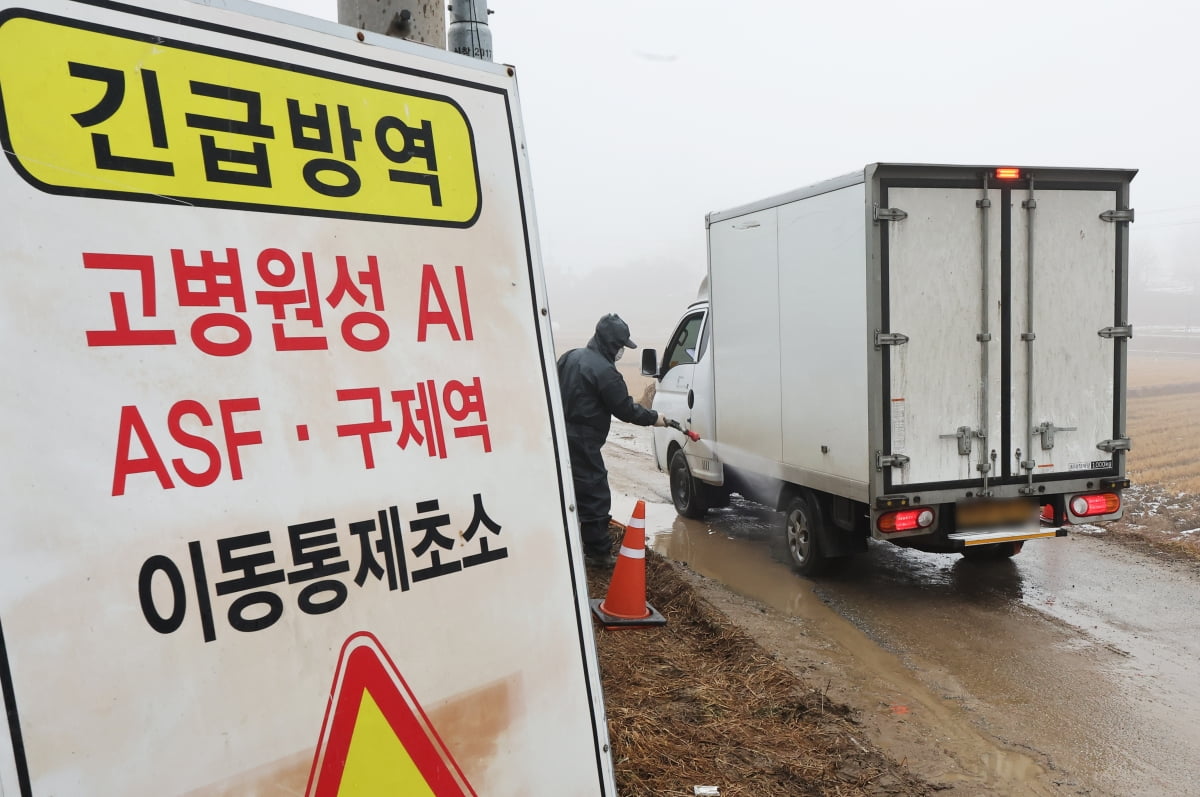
1008, 173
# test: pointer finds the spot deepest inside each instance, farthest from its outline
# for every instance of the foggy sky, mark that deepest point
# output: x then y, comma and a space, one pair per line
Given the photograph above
643, 116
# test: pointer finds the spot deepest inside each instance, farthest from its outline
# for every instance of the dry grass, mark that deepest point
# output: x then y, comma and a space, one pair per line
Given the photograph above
698, 702
1161, 516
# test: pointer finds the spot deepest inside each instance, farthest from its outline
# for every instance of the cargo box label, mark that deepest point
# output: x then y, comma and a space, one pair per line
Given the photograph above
97, 112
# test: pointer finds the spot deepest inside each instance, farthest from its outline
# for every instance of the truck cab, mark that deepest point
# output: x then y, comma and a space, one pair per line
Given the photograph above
685, 393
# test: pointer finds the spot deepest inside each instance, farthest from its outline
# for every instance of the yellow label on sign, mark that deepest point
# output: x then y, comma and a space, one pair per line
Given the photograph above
99, 112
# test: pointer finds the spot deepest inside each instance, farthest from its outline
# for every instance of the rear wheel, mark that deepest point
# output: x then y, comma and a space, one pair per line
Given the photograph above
687, 493
802, 524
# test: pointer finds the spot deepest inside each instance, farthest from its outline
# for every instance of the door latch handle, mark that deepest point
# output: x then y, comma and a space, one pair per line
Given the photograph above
964, 435
1047, 430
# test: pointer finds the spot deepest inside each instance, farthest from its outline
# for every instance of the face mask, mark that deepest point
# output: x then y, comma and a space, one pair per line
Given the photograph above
620, 353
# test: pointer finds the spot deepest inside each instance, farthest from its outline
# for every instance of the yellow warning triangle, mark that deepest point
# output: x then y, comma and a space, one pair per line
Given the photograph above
377, 765
376, 741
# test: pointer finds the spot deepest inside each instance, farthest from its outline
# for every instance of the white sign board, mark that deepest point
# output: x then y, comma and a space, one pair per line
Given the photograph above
282, 447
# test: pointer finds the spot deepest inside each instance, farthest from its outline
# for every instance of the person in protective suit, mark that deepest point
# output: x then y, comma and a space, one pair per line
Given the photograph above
592, 392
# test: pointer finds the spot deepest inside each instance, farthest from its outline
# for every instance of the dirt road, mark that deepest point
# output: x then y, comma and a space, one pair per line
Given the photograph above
1071, 669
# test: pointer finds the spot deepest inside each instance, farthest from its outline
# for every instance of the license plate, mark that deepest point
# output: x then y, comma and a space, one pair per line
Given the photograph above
980, 514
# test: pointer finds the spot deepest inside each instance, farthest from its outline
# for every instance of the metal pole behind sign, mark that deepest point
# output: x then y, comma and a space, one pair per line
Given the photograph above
416, 20
469, 33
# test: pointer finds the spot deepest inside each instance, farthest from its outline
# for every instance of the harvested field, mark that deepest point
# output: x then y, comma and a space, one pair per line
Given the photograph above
1163, 506
698, 703
1148, 371
1163, 427
1164, 422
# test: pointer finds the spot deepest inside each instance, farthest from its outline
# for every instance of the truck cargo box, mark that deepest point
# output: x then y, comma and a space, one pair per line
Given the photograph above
917, 337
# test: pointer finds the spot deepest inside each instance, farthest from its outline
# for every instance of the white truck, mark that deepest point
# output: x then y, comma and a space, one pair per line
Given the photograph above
930, 355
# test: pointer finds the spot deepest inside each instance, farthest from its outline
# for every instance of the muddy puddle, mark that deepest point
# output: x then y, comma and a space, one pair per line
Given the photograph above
741, 548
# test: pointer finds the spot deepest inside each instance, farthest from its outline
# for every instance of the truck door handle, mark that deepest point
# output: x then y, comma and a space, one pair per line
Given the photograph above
691, 398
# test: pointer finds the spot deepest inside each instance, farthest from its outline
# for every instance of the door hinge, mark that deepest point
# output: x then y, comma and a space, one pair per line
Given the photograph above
1047, 430
1120, 444
890, 460
889, 339
889, 214
1117, 215
1117, 332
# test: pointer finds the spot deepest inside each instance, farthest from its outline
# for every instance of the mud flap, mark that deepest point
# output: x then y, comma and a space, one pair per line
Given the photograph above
836, 540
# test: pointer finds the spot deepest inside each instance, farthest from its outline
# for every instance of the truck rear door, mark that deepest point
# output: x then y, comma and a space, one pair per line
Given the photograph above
999, 312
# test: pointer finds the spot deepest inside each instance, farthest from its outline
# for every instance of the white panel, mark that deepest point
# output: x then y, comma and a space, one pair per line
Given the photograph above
742, 264
823, 333
1074, 266
195, 524
934, 283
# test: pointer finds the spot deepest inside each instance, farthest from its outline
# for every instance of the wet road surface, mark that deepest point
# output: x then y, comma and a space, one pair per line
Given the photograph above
1072, 669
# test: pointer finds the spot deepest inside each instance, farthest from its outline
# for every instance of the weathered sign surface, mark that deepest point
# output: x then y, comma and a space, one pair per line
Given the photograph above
282, 451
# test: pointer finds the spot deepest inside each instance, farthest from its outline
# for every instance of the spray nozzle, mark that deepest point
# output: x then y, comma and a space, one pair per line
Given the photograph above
693, 436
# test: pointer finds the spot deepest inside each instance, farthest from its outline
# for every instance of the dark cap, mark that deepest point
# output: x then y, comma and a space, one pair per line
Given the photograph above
612, 327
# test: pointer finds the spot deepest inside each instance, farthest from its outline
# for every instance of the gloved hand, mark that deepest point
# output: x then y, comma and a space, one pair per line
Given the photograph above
661, 420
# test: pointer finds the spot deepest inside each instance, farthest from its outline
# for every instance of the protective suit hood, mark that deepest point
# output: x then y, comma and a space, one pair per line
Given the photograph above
612, 334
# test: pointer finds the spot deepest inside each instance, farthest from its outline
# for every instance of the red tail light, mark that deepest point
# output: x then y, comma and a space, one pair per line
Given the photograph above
905, 520
1008, 173
1094, 504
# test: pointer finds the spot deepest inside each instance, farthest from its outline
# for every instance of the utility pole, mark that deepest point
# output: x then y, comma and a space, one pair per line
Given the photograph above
469, 33
416, 20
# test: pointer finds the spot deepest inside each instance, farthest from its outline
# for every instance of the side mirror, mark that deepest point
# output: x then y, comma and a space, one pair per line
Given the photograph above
650, 363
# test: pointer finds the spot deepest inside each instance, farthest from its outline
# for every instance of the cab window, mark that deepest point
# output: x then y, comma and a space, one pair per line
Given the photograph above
684, 347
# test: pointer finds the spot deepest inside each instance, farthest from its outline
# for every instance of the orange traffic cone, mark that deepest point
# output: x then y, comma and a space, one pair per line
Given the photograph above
625, 606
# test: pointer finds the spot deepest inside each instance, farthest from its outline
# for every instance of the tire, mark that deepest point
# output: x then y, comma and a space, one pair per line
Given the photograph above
802, 526
992, 553
687, 493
